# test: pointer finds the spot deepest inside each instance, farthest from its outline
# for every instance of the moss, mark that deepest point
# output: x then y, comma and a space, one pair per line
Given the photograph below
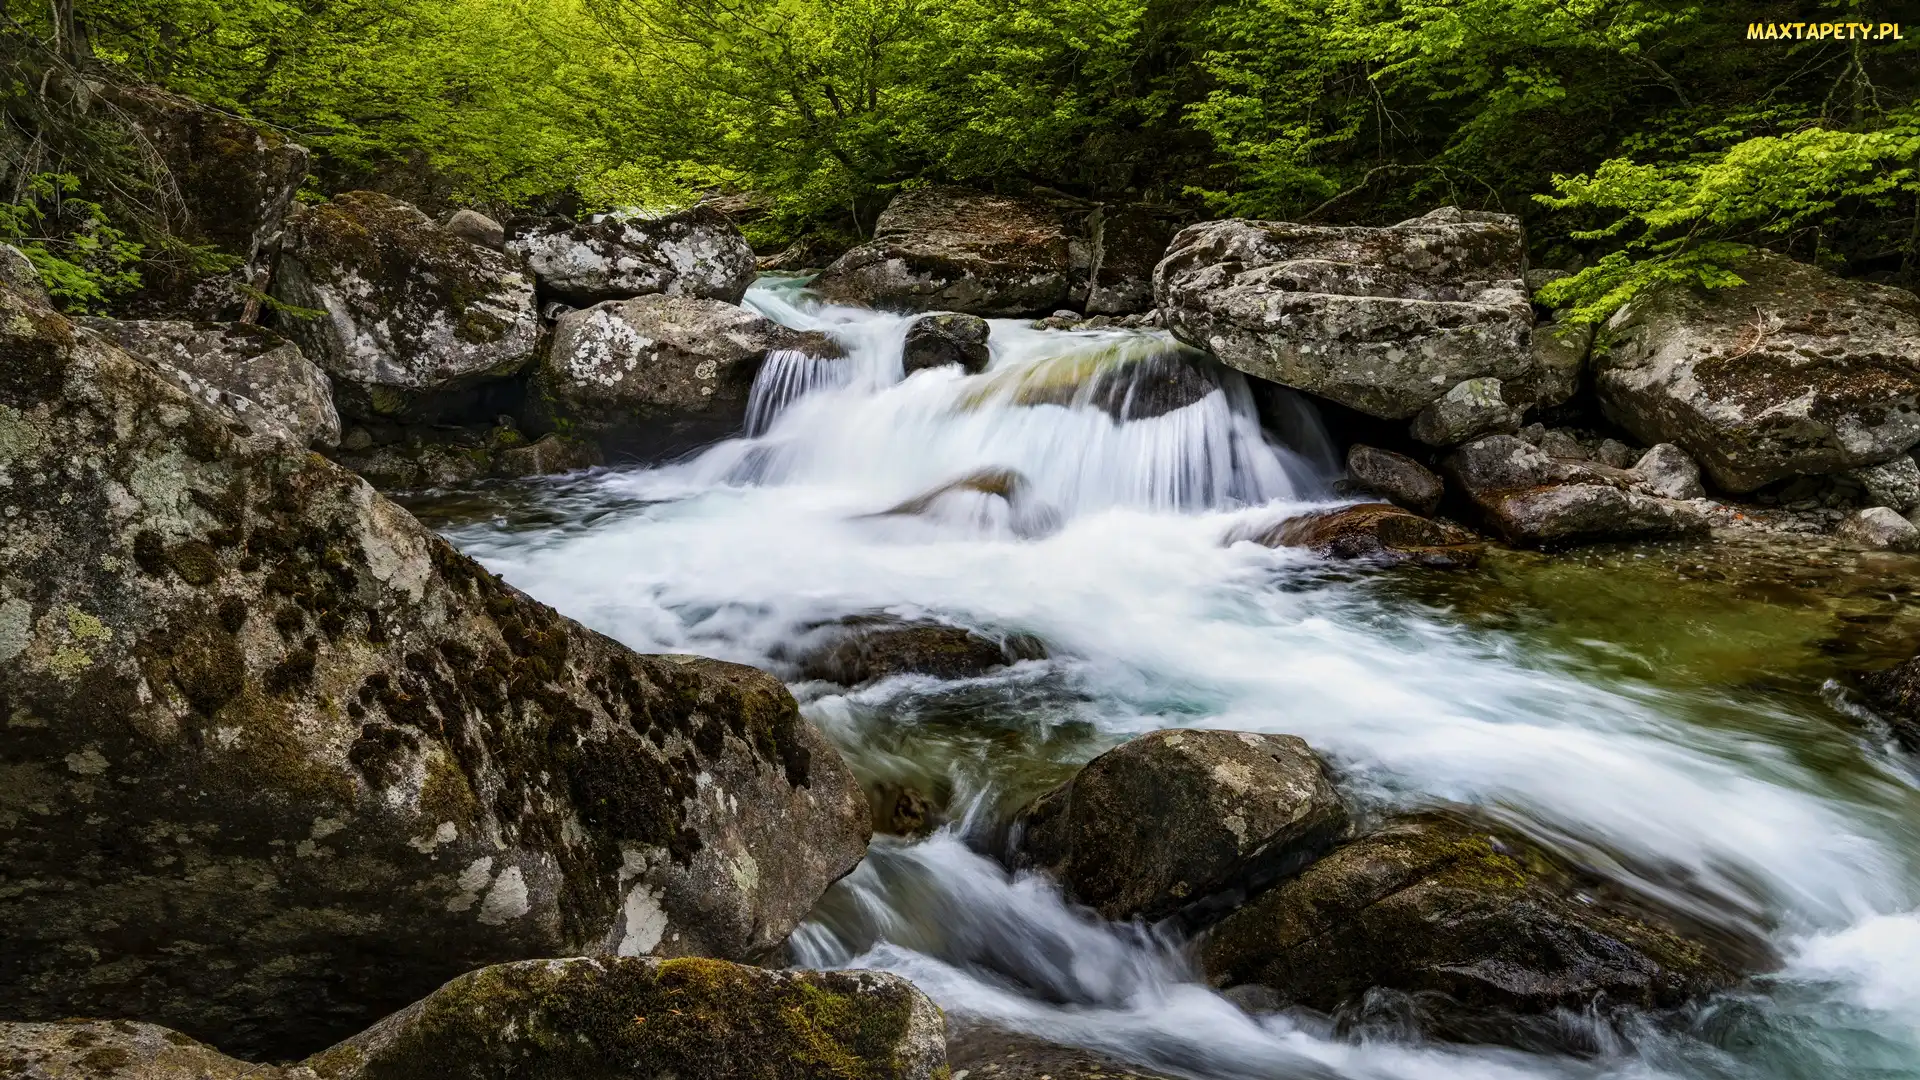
150, 552
203, 660
233, 613
107, 1059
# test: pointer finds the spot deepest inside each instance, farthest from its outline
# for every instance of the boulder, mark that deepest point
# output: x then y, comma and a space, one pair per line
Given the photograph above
19, 277
863, 648
1468, 411
1383, 320
1538, 500
1183, 821
261, 376
697, 253
679, 369
985, 1053
1434, 904
1126, 243
414, 315
1396, 477
1375, 532
1878, 528
477, 228
1894, 484
984, 499
946, 338
229, 187
1137, 377
279, 760
1559, 361
1895, 694
1795, 372
1668, 472
581, 1019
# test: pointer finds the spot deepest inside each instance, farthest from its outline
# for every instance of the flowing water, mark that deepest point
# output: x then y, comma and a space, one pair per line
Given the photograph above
1667, 715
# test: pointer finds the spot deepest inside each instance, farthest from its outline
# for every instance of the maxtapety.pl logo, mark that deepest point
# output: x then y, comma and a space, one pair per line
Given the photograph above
1823, 31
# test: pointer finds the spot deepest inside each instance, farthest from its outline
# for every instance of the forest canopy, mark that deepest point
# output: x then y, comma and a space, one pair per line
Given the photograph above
1640, 140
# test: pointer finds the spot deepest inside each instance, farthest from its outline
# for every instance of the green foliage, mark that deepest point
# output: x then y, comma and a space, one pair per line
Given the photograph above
83, 259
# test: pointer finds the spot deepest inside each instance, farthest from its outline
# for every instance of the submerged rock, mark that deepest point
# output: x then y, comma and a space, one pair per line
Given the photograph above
1183, 821
280, 760
1878, 528
984, 1053
1432, 904
1469, 410
864, 648
1396, 477
1538, 500
1377, 532
1381, 320
259, 375
1795, 372
415, 315
697, 252
946, 338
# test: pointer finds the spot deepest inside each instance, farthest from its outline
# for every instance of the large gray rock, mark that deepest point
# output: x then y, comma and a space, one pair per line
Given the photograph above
1668, 472
279, 760
1878, 528
477, 228
862, 648
678, 366
1796, 372
574, 1019
1538, 500
1396, 477
1183, 821
1559, 362
261, 376
1383, 320
697, 252
1894, 484
1467, 411
414, 315
945, 338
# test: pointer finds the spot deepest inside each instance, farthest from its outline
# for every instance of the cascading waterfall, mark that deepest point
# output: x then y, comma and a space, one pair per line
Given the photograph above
1079, 489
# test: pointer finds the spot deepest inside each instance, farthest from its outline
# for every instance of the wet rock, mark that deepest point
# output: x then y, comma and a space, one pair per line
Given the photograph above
902, 810
477, 228
696, 253
985, 499
415, 315
1432, 904
1538, 500
463, 458
1895, 694
1668, 472
1796, 372
1383, 320
280, 760
1135, 378
1878, 528
1469, 410
946, 338
984, 1053
1376, 532
1893, 484
678, 367
946, 248
616, 1018
1397, 477
231, 186
863, 648
1183, 821
258, 374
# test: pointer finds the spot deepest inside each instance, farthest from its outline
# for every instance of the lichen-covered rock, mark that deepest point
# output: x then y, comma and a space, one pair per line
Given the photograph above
615, 1019
678, 368
862, 648
1435, 904
18, 276
697, 252
1136, 377
1559, 362
989, 1054
415, 315
229, 186
1469, 410
261, 376
951, 249
279, 760
1535, 499
106, 1049
1796, 372
1374, 532
1383, 320
1668, 472
1183, 821
946, 338
1396, 477
1878, 528
1894, 484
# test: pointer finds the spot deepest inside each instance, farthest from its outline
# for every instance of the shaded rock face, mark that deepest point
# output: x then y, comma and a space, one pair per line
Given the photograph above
1796, 372
1469, 410
1126, 245
232, 187
1397, 477
574, 1019
991, 1054
1375, 532
680, 367
1537, 500
946, 338
414, 313
1183, 821
1435, 904
1559, 364
468, 458
280, 760
1894, 484
1383, 320
697, 252
864, 648
259, 375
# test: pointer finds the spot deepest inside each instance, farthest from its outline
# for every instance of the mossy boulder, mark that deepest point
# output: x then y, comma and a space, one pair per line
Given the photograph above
1441, 905
697, 252
279, 760
1373, 532
864, 648
416, 317
1183, 821
109, 1049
